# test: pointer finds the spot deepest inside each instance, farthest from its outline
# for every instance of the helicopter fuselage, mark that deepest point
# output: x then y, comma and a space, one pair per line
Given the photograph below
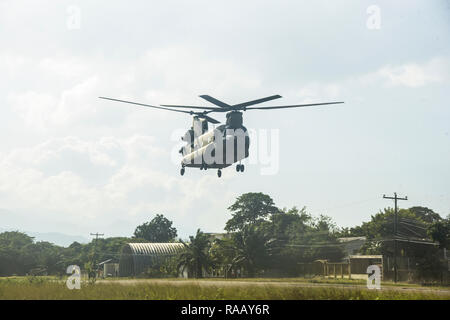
219, 148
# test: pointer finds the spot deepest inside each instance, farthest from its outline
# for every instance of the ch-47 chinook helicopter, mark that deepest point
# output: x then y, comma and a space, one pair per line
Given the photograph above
224, 145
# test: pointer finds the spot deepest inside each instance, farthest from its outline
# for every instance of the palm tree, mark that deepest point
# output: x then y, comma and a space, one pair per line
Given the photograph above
251, 249
196, 256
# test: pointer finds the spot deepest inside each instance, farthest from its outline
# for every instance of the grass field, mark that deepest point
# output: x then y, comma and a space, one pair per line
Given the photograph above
38, 288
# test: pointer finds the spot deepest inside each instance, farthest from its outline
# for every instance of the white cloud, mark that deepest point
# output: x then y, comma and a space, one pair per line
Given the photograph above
317, 92
188, 70
108, 179
35, 108
97, 177
46, 110
412, 75
165, 75
64, 67
11, 63
78, 102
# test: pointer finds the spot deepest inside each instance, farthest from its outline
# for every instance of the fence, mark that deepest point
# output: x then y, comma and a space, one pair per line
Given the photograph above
356, 265
325, 269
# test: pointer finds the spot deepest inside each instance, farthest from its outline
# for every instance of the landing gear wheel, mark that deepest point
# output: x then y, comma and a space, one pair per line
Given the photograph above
182, 171
242, 168
219, 173
238, 167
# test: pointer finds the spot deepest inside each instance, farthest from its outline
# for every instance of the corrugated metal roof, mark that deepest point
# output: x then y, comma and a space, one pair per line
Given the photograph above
156, 248
136, 258
373, 256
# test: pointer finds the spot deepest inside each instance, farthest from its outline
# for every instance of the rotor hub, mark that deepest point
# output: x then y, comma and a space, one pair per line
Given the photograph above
234, 119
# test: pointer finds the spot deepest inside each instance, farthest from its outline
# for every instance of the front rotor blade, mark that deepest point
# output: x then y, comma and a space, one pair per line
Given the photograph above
147, 105
253, 102
215, 101
294, 106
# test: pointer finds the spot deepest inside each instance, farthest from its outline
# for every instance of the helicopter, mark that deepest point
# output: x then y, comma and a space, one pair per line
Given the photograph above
224, 145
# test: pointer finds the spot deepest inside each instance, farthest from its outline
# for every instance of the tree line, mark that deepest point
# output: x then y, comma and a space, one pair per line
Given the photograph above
259, 237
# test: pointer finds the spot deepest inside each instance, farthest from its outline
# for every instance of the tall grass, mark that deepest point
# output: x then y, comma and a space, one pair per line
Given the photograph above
37, 289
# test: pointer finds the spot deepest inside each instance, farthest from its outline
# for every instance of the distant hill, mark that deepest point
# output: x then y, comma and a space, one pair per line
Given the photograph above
11, 219
60, 239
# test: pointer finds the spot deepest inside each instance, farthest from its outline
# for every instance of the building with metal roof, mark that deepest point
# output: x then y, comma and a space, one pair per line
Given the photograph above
137, 258
108, 268
352, 245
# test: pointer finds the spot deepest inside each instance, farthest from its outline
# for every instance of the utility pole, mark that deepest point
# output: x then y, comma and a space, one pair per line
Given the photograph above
395, 198
95, 246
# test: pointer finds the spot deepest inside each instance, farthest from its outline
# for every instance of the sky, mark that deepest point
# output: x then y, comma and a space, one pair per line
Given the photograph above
72, 163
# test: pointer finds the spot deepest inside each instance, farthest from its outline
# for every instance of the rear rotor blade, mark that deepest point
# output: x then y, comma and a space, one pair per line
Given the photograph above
208, 118
147, 105
253, 102
189, 107
215, 101
199, 114
294, 106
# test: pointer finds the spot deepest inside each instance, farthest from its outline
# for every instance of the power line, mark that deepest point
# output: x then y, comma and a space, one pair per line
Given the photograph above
416, 223
410, 230
395, 198
95, 245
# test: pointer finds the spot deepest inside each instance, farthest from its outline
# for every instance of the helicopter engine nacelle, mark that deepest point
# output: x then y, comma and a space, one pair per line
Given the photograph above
188, 136
195, 142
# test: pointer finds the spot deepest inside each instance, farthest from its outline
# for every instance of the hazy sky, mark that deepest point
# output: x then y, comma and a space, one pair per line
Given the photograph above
73, 163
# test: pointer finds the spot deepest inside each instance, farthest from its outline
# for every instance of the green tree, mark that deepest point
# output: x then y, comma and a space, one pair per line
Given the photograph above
15, 239
196, 256
250, 208
222, 253
440, 231
299, 237
264, 237
107, 248
15, 256
48, 257
425, 214
20, 255
251, 249
412, 224
158, 230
